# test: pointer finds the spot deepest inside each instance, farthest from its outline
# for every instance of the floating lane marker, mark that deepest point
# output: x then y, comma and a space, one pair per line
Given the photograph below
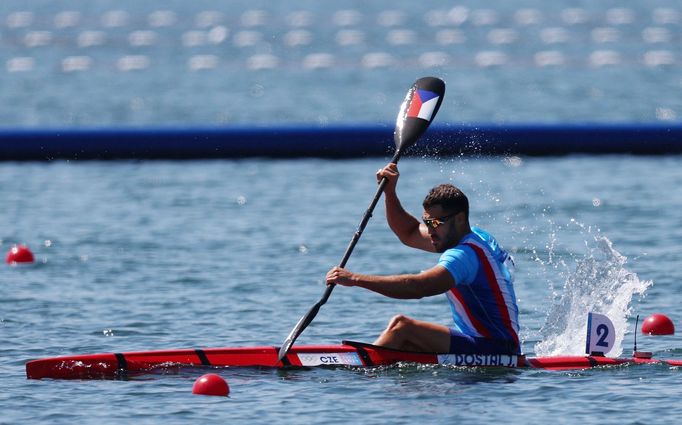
318, 60
401, 37
658, 324
38, 38
254, 18
21, 19
429, 59
91, 38
554, 35
450, 36
162, 18
202, 62
503, 36
377, 60
20, 64
526, 17
208, 18
298, 37
194, 38
605, 35
665, 16
549, 58
133, 63
601, 58
391, 18
76, 63
298, 19
115, 19
347, 18
349, 37
19, 254
142, 38
247, 38
620, 16
656, 35
264, 61
67, 19
211, 384
654, 58
487, 59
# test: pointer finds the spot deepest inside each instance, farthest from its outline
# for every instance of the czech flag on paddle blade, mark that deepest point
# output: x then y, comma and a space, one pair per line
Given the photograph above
422, 105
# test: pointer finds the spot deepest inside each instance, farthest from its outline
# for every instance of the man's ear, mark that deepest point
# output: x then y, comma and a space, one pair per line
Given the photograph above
460, 218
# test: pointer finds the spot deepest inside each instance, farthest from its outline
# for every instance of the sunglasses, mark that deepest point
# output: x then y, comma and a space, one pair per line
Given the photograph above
434, 223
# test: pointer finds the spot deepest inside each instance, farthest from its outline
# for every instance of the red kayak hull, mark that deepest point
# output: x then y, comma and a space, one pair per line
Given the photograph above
353, 354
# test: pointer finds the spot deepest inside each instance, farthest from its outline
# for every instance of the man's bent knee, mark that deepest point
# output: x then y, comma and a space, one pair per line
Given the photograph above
398, 322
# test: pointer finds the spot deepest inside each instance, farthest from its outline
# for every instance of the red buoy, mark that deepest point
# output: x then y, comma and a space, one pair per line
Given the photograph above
19, 254
658, 324
211, 384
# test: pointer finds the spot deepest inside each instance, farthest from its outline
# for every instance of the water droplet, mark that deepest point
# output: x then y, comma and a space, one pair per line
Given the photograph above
513, 161
257, 90
665, 114
137, 104
218, 34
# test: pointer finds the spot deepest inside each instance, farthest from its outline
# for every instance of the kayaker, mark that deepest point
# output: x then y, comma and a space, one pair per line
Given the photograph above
472, 271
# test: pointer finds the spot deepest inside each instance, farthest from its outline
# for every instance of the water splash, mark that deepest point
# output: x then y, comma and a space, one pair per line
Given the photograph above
601, 283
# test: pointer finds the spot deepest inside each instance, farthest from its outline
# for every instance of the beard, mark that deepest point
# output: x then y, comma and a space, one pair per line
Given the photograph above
440, 245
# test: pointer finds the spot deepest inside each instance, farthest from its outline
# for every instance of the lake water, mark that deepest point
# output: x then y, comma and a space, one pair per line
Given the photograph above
158, 255
206, 62
153, 255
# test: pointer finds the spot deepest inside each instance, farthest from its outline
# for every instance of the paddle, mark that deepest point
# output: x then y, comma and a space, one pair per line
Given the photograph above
416, 113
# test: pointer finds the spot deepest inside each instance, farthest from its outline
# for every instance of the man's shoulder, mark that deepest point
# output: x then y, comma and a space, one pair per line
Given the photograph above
462, 262
484, 239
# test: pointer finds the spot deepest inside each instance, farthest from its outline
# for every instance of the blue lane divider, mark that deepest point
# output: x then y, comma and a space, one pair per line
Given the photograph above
347, 141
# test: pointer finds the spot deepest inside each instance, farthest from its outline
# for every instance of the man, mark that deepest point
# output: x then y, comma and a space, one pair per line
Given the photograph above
471, 271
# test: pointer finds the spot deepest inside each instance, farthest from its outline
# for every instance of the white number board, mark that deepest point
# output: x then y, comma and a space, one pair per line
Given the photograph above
601, 334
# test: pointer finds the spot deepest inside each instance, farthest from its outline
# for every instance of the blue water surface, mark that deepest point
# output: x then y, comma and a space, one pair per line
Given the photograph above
157, 255
153, 255
117, 63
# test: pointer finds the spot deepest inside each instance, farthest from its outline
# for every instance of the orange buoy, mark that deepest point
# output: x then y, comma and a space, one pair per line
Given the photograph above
211, 384
19, 254
658, 324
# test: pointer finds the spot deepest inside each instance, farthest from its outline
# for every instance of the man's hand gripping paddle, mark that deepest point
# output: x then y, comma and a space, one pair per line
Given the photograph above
416, 113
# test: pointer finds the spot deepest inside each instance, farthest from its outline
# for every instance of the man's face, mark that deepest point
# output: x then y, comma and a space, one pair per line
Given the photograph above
442, 228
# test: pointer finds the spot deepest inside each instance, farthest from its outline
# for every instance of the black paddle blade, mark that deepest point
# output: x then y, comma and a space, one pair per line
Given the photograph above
418, 110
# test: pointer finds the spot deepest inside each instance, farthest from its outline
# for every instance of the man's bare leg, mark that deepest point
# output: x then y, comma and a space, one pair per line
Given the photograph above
404, 333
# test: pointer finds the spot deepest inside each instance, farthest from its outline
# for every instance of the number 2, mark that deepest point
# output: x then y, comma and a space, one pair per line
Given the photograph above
602, 333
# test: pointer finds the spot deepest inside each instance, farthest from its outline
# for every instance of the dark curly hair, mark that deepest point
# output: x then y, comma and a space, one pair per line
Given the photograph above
451, 198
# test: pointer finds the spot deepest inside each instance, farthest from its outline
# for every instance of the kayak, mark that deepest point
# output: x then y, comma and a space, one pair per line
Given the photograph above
348, 354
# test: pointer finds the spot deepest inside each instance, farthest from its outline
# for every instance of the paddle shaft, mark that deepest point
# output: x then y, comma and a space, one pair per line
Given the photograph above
361, 228
308, 318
